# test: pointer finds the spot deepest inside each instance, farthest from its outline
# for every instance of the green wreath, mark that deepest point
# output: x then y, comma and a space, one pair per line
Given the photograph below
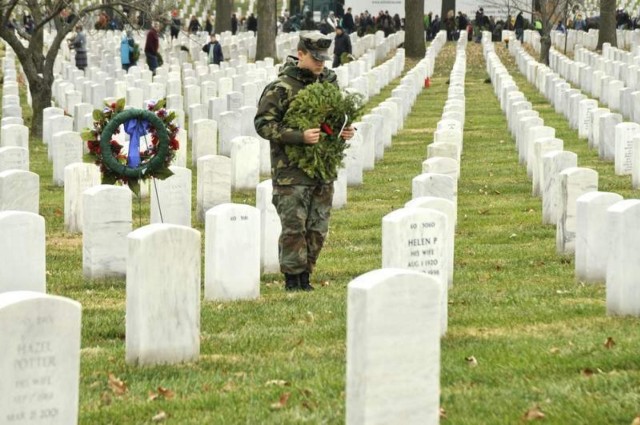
322, 105
152, 162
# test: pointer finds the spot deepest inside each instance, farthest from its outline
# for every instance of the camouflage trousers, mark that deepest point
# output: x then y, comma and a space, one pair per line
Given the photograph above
304, 214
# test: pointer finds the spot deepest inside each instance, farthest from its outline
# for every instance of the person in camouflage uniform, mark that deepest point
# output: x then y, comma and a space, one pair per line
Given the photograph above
303, 203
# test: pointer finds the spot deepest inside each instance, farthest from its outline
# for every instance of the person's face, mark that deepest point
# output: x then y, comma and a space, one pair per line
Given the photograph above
306, 61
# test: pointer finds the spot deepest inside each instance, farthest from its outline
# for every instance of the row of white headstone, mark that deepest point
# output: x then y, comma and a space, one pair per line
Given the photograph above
401, 305
626, 39
614, 139
215, 180
597, 227
14, 135
42, 332
554, 171
616, 83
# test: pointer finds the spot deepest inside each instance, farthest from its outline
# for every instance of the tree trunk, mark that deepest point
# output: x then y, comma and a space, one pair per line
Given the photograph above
607, 33
414, 41
545, 46
267, 18
224, 10
40, 99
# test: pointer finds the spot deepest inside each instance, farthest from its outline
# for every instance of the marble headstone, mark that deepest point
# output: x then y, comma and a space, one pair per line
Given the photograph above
232, 252
19, 191
107, 220
393, 348
416, 239
171, 198
574, 182
593, 235
623, 264
22, 249
213, 183
40, 361
163, 295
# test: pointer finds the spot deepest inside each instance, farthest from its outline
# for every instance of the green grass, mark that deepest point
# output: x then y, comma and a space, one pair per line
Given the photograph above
515, 305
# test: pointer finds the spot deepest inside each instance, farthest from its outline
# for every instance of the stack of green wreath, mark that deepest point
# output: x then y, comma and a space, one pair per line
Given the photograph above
322, 105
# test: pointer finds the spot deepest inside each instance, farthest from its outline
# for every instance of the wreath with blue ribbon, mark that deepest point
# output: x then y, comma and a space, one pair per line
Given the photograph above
152, 129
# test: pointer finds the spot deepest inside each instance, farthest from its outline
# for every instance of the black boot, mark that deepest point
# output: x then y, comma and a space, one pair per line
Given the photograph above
304, 282
291, 282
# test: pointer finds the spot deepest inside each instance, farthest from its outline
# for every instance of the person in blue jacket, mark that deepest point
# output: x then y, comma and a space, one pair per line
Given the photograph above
214, 50
128, 51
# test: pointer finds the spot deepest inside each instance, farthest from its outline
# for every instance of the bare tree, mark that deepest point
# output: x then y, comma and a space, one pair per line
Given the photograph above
224, 10
414, 40
36, 58
548, 12
267, 25
607, 33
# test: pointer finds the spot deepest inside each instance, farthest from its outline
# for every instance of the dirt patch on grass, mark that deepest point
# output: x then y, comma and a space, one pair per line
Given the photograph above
542, 330
65, 241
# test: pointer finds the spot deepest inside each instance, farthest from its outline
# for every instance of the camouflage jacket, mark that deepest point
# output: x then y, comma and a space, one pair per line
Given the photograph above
272, 107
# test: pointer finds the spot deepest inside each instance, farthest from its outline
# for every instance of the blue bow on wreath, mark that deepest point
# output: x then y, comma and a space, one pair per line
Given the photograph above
135, 128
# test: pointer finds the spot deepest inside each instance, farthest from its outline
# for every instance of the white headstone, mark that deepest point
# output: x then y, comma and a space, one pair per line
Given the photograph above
540, 148
270, 228
593, 235
441, 165
14, 135
533, 134
214, 183
447, 150
229, 127
66, 148
22, 249
78, 177
367, 150
416, 239
232, 252
40, 359
19, 191
245, 162
163, 295
107, 220
624, 134
353, 161
79, 112
340, 190
574, 182
204, 139
623, 263
553, 163
171, 198
393, 348
58, 124
446, 207
438, 185
14, 158
47, 114
594, 132
585, 117
607, 128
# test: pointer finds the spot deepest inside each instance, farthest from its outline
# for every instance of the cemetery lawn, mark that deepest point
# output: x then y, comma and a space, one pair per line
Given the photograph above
537, 335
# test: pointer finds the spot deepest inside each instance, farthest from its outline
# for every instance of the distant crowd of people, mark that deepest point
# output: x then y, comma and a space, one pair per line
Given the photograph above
363, 23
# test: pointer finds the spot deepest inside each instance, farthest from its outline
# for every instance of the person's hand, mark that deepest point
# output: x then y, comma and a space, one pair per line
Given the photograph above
348, 133
311, 136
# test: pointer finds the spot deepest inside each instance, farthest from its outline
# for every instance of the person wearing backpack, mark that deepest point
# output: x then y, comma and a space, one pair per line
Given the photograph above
129, 51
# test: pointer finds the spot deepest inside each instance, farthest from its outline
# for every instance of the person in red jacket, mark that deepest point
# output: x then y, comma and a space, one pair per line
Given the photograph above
152, 46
